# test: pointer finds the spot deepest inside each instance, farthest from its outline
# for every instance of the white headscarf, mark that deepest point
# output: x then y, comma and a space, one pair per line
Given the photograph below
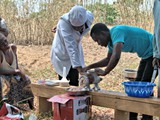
3, 24
77, 15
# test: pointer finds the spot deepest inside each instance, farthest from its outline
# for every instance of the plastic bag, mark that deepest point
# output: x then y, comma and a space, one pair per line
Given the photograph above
10, 112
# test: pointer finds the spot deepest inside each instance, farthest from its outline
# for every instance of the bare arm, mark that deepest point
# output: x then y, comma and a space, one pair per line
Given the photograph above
18, 71
11, 72
114, 58
101, 63
14, 48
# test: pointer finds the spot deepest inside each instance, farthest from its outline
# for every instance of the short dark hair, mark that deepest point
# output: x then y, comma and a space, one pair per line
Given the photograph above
98, 28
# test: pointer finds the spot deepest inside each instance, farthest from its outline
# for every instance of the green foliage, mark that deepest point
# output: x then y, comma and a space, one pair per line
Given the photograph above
135, 13
104, 12
130, 2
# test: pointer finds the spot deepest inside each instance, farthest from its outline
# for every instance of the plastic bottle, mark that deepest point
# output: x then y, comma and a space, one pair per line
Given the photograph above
64, 75
64, 82
32, 117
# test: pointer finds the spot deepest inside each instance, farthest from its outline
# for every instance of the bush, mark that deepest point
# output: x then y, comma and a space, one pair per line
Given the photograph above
104, 13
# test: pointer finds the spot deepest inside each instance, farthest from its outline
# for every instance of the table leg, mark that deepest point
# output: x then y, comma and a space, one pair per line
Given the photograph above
121, 115
44, 105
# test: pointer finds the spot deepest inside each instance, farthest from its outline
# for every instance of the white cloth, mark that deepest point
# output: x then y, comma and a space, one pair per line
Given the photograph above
3, 24
77, 15
66, 48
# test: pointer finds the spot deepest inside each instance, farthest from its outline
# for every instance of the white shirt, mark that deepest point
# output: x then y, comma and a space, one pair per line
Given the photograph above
66, 48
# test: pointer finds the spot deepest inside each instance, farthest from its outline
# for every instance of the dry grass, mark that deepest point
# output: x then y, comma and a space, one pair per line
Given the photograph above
29, 27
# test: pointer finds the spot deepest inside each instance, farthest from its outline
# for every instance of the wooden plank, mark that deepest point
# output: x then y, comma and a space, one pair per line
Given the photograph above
121, 115
127, 105
139, 107
100, 101
49, 91
109, 99
120, 95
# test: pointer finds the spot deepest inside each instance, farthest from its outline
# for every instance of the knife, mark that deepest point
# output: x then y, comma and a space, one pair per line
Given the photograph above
154, 74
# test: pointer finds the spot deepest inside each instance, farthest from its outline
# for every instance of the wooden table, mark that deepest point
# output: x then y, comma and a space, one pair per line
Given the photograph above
122, 103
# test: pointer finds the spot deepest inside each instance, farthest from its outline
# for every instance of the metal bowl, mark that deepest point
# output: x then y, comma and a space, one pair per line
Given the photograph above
76, 93
130, 73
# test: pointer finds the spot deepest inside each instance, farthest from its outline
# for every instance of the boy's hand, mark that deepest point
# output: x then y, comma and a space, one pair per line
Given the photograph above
156, 61
100, 72
85, 69
54, 29
81, 70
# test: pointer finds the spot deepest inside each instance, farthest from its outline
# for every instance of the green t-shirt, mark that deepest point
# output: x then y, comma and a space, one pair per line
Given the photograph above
134, 39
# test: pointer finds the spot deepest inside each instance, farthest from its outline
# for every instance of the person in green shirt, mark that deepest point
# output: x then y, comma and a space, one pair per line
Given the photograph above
123, 38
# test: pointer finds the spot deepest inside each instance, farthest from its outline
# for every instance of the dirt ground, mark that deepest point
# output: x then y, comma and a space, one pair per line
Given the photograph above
35, 61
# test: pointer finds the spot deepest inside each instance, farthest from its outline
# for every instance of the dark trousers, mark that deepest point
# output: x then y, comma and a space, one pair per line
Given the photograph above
73, 76
144, 73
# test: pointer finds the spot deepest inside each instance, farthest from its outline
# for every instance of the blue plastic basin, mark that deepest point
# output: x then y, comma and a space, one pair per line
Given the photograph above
139, 89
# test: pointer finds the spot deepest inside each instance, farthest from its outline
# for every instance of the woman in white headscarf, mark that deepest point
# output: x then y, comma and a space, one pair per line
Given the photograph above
66, 49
